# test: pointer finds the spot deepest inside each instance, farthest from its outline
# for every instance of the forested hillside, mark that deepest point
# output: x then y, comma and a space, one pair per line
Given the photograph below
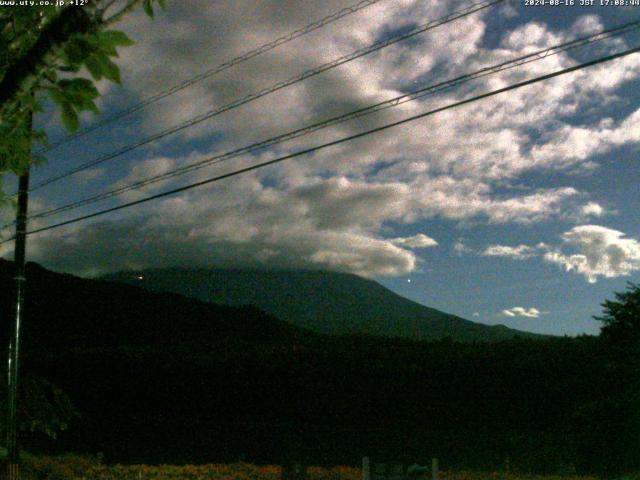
160, 378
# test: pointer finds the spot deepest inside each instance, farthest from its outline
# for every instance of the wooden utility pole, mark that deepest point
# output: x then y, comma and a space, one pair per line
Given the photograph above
13, 453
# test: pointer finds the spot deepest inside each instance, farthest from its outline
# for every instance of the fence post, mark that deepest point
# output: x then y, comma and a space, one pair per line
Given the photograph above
366, 468
434, 469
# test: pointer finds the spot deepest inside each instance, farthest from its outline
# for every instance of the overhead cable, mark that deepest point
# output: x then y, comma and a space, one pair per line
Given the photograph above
273, 88
413, 95
213, 71
335, 142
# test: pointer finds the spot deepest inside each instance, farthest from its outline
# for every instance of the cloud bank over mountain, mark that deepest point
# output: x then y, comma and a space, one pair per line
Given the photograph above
342, 207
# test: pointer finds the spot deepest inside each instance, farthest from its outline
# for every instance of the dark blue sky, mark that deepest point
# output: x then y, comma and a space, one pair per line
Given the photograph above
520, 209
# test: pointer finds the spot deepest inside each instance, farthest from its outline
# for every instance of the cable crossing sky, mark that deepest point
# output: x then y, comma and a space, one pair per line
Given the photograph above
476, 7
213, 71
339, 141
393, 102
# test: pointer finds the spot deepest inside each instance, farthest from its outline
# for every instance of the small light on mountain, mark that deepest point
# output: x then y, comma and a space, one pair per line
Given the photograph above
140, 277
408, 280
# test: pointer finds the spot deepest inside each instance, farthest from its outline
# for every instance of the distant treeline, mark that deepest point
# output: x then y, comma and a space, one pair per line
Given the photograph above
163, 379
542, 406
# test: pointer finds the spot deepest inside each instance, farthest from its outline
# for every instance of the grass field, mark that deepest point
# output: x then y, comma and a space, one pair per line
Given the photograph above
74, 467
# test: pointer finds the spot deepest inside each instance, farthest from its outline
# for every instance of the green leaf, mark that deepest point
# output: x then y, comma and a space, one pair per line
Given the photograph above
74, 53
79, 88
89, 105
40, 137
148, 7
109, 69
94, 67
69, 117
78, 95
56, 95
115, 38
108, 50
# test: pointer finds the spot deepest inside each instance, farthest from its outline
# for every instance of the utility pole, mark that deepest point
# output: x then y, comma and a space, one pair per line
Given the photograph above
13, 454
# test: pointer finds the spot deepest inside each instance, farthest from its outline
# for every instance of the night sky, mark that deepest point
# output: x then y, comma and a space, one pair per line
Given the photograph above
520, 209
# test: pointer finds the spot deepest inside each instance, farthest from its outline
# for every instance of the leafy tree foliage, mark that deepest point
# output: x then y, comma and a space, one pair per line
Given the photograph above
44, 407
621, 318
43, 50
609, 424
161, 378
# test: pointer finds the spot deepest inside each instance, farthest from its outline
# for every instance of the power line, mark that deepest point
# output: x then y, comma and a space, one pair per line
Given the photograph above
273, 88
213, 71
278, 86
337, 142
416, 94
420, 93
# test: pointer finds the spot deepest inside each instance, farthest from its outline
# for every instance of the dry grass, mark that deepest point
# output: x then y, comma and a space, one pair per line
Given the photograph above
72, 467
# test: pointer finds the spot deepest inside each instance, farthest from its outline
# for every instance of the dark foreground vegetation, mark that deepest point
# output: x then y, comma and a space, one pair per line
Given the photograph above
76, 467
159, 378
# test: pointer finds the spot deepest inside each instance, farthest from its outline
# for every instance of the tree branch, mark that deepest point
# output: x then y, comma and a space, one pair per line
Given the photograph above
123, 11
108, 5
72, 20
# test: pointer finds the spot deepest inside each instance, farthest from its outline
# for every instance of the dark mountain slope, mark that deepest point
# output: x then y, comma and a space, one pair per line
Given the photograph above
161, 378
64, 310
324, 302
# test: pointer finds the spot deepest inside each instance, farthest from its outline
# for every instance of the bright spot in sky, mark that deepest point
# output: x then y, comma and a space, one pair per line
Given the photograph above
408, 280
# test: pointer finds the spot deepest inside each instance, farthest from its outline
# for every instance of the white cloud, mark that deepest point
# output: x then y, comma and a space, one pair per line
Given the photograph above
597, 251
532, 34
586, 24
508, 10
461, 248
601, 252
522, 312
330, 223
570, 145
484, 139
417, 241
332, 209
592, 209
521, 252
